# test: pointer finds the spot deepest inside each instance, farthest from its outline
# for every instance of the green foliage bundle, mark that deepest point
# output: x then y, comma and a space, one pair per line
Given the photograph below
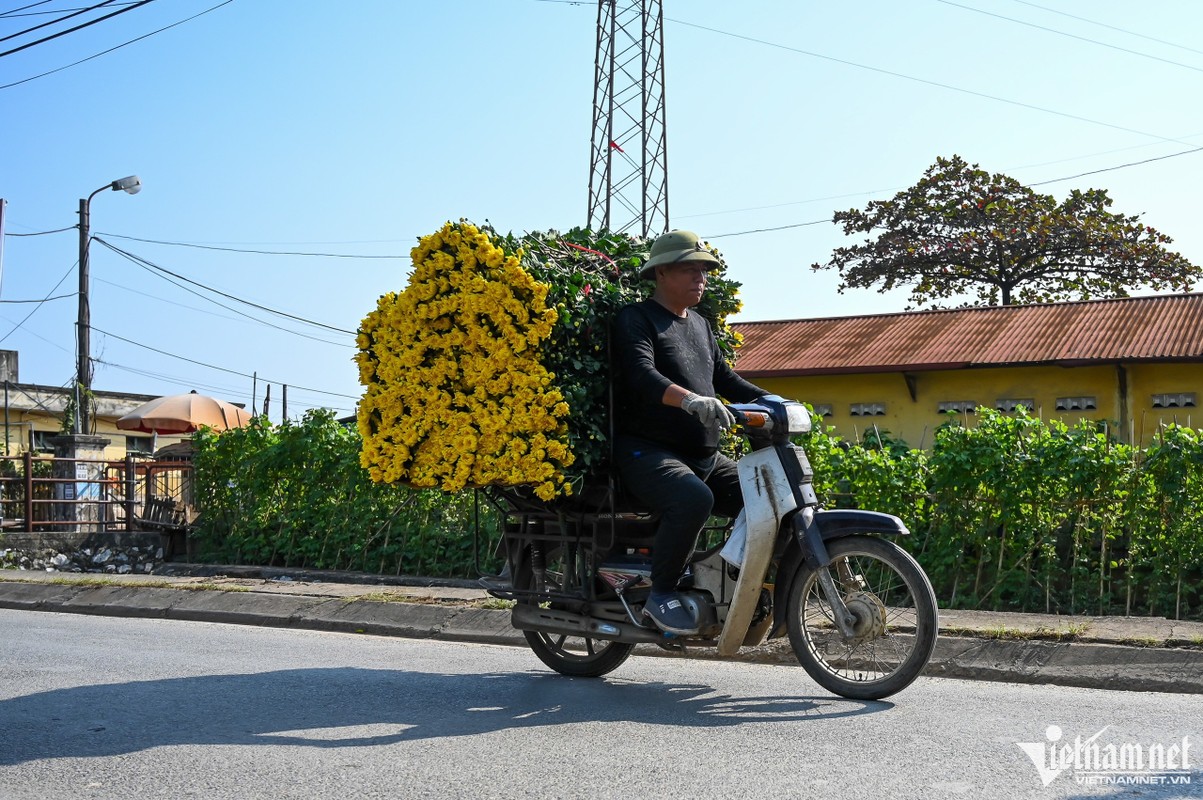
492, 367
590, 277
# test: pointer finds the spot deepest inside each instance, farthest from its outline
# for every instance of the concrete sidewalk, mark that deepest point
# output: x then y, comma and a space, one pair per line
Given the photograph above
1128, 653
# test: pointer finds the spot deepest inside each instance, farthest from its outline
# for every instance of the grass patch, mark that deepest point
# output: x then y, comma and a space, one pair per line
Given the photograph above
402, 597
98, 580
391, 597
1043, 633
107, 581
1141, 641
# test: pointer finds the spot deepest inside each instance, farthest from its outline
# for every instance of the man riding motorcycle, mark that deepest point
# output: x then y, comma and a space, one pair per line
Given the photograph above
670, 374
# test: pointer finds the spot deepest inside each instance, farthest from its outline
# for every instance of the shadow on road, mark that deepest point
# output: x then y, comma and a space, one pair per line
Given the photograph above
361, 707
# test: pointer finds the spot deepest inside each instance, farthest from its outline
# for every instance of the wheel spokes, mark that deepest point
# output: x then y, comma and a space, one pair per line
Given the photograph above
872, 658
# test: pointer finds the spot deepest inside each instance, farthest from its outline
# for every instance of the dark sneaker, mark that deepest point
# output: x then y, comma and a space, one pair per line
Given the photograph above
670, 614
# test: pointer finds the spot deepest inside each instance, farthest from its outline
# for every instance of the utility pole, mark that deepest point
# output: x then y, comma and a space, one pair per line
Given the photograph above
628, 164
83, 325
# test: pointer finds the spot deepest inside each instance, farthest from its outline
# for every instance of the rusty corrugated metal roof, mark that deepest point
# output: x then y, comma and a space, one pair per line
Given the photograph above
1165, 328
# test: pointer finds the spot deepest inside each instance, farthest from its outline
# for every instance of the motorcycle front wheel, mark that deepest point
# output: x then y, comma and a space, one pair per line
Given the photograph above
896, 623
576, 656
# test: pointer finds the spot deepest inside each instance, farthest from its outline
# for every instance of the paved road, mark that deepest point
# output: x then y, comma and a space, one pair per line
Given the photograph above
1134, 653
102, 707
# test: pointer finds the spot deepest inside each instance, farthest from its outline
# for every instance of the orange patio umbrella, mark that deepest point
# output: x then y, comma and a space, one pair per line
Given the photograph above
184, 413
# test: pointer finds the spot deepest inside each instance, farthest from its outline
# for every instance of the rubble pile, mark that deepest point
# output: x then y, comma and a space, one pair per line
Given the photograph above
120, 560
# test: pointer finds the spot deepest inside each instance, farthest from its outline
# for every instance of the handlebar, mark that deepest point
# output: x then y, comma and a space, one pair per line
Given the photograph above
772, 413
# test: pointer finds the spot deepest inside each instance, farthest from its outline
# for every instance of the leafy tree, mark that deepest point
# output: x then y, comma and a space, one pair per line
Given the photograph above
960, 230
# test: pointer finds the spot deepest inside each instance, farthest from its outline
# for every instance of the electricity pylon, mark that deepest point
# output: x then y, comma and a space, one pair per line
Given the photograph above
628, 163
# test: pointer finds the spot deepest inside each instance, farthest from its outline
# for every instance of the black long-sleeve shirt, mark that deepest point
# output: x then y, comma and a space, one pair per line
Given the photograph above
654, 348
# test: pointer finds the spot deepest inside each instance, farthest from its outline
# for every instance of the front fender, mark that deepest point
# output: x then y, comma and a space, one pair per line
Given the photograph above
846, 521
833, 524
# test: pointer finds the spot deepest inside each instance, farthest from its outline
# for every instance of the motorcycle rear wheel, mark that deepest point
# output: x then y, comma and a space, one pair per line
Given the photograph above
575, 656
896, 627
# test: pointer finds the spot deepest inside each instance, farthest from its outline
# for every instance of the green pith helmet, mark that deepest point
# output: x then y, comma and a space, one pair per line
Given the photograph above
675, 247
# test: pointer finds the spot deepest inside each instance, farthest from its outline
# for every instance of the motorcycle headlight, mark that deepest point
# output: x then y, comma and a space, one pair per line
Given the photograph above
798, 418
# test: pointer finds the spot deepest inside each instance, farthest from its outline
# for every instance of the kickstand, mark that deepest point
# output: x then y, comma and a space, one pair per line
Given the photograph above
619, 590
668, 641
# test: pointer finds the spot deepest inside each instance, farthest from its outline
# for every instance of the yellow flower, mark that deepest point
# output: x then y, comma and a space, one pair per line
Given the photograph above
455, 392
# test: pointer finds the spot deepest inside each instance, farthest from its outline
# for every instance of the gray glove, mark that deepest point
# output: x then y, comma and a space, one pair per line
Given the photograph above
710, 411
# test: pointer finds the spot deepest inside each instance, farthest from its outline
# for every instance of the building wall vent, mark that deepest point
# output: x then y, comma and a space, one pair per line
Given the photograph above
1076, 403
824, 409
1179, 400
959, 406
1009, 404
868, 410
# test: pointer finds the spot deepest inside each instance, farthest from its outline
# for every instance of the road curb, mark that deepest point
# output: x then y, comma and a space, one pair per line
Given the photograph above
1019, 660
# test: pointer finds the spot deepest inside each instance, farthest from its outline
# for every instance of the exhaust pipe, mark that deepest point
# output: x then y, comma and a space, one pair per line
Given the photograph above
565, 623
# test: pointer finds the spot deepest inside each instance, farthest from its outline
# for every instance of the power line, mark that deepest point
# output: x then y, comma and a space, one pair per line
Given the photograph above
197, 309
44, 299
76, 28
766, 230
116, 47
779, 205
14, 13
39, 305
169, 378
1037, 183
1109, 27
42, 403
255, 252
148, 264
43, 233
194, 384
1119, 166
925, 81
896, 188
219, 369
1071, 35
43, 338
138, 261
76, 13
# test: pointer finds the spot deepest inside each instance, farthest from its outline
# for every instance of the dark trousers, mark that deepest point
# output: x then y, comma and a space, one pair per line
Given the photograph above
683, 492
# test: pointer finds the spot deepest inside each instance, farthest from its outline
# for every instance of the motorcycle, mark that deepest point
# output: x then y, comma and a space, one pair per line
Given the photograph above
859, 611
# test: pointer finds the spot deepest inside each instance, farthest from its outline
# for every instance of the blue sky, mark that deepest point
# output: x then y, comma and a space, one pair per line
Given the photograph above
353, 128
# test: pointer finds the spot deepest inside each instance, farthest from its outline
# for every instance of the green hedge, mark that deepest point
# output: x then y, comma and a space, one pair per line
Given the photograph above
294, 495
1013, 513
1016, 513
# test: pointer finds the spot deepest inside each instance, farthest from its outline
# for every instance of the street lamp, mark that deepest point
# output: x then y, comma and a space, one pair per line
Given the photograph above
83, 366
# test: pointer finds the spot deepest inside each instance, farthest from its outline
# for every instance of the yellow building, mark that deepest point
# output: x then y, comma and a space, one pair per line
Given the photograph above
32, 415
1133, 363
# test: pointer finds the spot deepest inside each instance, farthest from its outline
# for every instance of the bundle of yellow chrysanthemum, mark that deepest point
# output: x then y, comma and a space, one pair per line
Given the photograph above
457, 394
491, 367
